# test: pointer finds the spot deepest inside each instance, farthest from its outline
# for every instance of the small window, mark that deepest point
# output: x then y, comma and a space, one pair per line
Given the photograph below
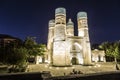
58, 23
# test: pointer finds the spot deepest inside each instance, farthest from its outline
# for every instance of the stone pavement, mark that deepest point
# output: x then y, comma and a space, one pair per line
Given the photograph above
60, 71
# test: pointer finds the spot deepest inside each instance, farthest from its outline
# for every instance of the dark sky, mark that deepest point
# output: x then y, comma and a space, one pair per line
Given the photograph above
22, 18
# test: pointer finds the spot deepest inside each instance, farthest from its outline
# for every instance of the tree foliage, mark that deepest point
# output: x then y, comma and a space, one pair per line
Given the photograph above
111, 49
17, 53
8, 51
33, 48
13, 54
18, 56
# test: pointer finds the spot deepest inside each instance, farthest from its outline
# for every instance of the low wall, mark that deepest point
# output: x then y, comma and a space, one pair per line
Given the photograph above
97, 76
46, 76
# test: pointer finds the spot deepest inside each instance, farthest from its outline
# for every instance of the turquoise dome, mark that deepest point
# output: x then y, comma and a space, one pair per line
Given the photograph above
70, 22
51, 21
81, 15
60, 11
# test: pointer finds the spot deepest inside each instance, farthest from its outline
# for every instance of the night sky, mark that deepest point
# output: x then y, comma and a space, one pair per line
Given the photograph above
22, 18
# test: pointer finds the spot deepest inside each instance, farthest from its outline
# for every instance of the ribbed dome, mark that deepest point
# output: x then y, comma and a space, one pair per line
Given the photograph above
70, 23
60, 10
81, 15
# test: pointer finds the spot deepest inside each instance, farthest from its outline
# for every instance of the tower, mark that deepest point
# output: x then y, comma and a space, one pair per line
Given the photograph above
59, 44
83, 32
51, 26
60, 24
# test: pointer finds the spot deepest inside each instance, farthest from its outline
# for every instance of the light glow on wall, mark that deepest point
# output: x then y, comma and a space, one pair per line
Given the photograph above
65, 68
50, 67
57, 68
81, 33
80, 47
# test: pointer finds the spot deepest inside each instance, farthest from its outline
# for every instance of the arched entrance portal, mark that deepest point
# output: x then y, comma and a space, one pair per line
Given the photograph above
76, 54
74, 61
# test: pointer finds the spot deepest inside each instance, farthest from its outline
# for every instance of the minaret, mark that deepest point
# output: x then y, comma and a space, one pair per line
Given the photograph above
50, 33
60, 24
83, 32
51, 26
70, 28
60, 57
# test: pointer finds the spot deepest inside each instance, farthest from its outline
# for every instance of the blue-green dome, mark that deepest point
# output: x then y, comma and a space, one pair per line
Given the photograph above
60, 11
51, 23
81, 15
70, 23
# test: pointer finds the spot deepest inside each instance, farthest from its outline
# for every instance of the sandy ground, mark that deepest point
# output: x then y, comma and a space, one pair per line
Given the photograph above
60, 71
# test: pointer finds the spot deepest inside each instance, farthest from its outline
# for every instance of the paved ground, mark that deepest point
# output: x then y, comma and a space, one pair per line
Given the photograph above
60, 71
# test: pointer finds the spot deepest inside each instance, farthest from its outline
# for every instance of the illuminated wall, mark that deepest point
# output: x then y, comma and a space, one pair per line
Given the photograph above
64, 48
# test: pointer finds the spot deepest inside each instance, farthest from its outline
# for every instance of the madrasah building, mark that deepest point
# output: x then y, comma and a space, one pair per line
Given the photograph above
64, 48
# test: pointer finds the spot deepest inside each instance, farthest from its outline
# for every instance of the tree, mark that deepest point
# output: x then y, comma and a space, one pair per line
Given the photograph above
14, 54
114, 50
105, 46
111, 49
2, 55
18, 59
33, 48
41, 49
8, 49
30, 44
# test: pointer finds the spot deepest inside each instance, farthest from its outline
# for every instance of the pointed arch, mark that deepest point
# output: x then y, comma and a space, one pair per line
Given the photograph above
76, 53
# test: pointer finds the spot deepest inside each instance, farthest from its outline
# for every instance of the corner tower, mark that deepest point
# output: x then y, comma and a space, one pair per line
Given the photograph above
83, 32
60, 56
50, 32
51, 26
